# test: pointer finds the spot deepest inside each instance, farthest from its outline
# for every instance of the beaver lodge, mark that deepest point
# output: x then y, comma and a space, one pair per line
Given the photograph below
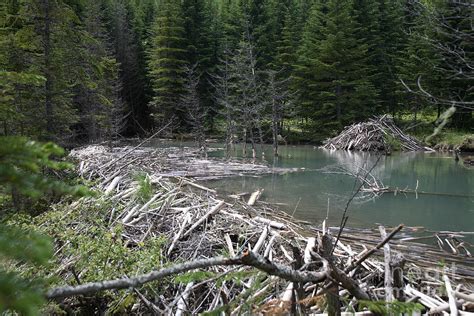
377, 134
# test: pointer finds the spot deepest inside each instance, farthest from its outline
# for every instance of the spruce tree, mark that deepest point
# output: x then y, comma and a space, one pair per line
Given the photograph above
166, 61
128, 31
392, 42
304, 83
201, 47
338, 76
419, 62
97, 92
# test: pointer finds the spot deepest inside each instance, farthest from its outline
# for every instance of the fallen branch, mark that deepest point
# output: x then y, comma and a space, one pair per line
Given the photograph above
204, 218
371, 251
247, 258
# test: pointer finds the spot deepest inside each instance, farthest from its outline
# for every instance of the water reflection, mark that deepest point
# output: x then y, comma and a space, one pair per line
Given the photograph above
312, 189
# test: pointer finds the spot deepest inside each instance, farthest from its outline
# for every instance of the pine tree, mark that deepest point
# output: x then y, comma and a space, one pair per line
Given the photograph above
42, 45
97, 92
166, 61
338, 72
392, 42
128, 31
304, 70
418, 61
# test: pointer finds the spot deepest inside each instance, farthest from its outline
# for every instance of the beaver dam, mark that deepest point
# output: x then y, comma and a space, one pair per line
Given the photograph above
239, 255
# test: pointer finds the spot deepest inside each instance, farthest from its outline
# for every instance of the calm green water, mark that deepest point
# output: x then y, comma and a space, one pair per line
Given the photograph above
307, 193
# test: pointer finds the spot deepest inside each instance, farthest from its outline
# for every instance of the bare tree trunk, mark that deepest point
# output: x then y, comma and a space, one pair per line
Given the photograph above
47, 67
244, 149
274, 129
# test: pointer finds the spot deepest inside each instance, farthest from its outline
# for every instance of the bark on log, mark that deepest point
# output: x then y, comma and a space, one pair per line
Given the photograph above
246, 258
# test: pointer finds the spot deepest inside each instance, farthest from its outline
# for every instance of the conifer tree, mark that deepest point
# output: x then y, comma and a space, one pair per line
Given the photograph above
288, 42
97, 92
42, 43
128, 31
392, 42
304, 70
201, 47
166, 61
338, 72
418, 61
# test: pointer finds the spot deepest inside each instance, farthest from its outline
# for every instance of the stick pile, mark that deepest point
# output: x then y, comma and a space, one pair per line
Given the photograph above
271, 263
98, 161
378, 134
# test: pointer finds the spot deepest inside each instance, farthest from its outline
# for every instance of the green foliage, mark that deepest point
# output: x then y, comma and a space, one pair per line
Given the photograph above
16, 293
166, 61
393, 143
396, 308
193, 277
22, 163
97, 250
145, 188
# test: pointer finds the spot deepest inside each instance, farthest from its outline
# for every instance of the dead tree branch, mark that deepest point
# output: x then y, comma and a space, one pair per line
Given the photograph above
247, 258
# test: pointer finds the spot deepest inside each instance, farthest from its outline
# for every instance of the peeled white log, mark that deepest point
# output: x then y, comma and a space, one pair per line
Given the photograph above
181, 308
179, 233
261, 240
131, 214
442, 308
123, 194
198, 186
452, 301
254, 197
285, 252
271, 223
287, 295
229, 245
310, 244
466, 297
269, 246
388, 282
112, 185
205, 217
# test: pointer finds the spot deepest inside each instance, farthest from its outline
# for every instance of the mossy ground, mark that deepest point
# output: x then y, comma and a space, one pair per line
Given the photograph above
448, 139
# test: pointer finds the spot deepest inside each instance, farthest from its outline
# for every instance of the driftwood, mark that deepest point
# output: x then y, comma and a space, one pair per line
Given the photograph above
378, 134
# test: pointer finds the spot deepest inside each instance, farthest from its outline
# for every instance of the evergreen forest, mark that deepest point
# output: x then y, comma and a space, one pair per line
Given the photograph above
105, 209
78, 71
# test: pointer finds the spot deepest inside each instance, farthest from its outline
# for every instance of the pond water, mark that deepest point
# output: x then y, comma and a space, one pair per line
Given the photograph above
307, 193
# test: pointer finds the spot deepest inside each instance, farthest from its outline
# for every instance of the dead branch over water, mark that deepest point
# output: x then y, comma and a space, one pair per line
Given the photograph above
292, 268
